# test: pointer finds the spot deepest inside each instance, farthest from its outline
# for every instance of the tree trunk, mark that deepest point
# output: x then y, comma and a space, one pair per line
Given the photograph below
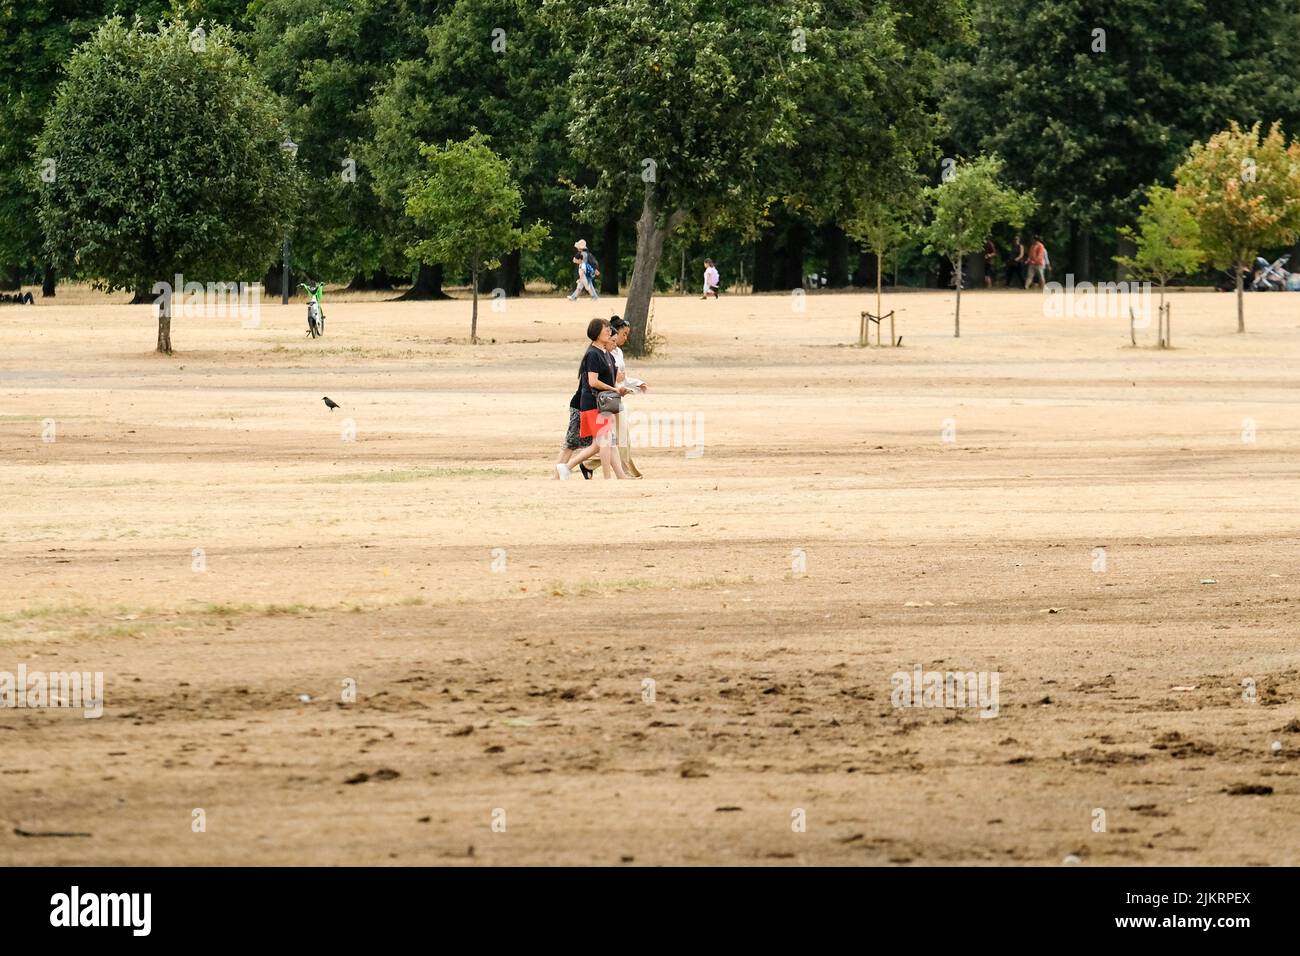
609, 249
513, 267
941, 276
1080, 252
1128, 249
377, 281
1161, 335
271, 281
165, 325
473, 320
508, 276
879, 270
1241, 305
649, 250
47, 283
956, 326
792, 257
837, 257
764, 279
427, 285
868, 264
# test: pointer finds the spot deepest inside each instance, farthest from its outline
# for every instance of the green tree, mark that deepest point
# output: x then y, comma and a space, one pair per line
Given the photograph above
678, 106
1090, 101
1167, 238
1244, 192
882, 225
494, 66
467, 208
324, 58
967, 205
36, 39
865, 117
166, 159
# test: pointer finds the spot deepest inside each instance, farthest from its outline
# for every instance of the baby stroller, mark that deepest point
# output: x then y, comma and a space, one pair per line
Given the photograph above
315, 314
1271, 277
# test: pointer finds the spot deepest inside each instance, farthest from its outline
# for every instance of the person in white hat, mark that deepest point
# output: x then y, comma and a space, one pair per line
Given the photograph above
588, 269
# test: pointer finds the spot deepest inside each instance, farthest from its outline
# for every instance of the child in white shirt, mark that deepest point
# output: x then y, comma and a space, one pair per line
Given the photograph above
711, 279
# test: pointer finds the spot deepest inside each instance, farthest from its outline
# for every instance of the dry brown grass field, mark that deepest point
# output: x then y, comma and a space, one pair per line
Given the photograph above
199, 531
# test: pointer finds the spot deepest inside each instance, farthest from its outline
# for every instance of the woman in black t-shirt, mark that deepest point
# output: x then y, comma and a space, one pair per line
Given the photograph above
595, 374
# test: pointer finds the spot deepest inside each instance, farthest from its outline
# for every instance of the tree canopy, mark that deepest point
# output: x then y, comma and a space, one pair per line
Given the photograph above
1244, 192
162, 155
466, 208
966, 207
769, 136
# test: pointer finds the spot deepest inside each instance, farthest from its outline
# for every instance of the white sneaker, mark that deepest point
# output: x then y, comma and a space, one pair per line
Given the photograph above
563, 471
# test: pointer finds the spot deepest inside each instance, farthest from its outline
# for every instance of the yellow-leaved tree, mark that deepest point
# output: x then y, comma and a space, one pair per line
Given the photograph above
1244, 193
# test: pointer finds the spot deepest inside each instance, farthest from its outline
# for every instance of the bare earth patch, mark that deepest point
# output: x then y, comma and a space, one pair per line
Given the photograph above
674, 670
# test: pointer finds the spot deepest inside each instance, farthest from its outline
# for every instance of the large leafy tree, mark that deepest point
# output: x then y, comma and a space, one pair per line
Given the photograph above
1244, 193
866, 119
466, 210
36, 39
324, 57
491, 66
967, 205
167, 159
1091, 101
678, 106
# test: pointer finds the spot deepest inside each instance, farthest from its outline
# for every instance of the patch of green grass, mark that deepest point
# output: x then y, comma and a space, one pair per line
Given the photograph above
78, 622
602, 586
409, 601
415, 474
709, 584
281, 610
224, 610
606, 586
110, 631
264, 610
46, 612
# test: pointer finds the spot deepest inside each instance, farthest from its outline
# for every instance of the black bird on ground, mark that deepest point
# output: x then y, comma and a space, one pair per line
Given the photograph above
330, 403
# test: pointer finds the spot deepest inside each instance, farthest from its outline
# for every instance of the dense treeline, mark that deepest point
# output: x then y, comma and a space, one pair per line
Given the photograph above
770, 129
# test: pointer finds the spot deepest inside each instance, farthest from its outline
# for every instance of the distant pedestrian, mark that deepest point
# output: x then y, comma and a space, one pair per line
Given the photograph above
1016, 264
588, 269
1037, 261
711, 279
990, 262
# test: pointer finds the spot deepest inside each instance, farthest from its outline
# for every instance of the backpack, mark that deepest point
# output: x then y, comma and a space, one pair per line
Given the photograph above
591, 266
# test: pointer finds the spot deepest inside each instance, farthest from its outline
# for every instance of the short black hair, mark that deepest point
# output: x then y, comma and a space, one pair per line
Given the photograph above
594, 328
618, 323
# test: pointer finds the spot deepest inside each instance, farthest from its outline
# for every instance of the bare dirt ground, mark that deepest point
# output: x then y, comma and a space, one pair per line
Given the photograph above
200, 531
